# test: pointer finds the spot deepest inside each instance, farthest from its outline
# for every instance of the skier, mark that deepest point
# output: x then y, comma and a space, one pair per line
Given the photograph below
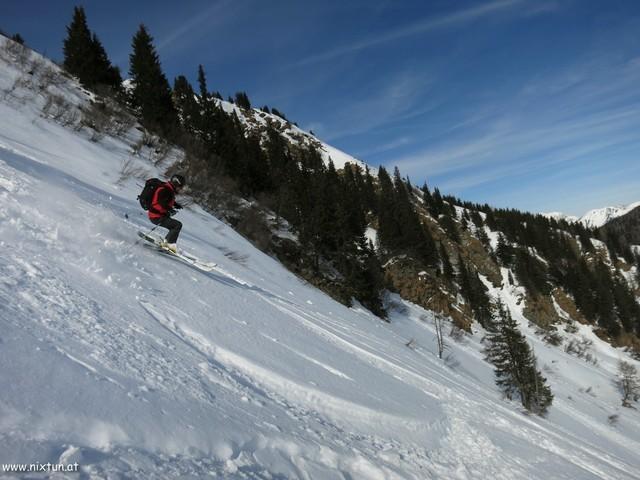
163, 206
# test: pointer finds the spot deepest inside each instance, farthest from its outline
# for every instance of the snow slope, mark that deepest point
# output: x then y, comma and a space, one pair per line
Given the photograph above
136, 365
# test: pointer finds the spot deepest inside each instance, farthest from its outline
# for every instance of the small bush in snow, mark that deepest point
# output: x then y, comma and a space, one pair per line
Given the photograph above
451, 361
254, 226
613, 419
628, 383
456, 333
581, 348
571, 328
16, 52
61, 110
552, 337
128, 169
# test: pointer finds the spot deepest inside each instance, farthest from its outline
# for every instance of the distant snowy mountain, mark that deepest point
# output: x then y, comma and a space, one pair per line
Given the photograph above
561, 216
599, 216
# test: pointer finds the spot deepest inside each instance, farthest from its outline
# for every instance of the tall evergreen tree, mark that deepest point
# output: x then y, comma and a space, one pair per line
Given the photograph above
515, 365
77, 47
86, 58
447, 269
16, 37
151, 92
186, 105
242, 100
202, 84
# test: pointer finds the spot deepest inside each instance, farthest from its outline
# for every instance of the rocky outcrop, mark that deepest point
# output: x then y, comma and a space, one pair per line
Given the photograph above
426, 289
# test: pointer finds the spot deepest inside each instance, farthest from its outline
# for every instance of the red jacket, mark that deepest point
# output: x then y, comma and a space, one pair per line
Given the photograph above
164, 198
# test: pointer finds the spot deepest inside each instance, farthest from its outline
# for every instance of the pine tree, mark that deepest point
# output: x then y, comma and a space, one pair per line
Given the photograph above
436, 207
605, 300
77, 48
202, 84
242, 100
213, 123
186, 105
449, 226
86, 58
426, 194
16, 37
515, 365
151, 92
389, 229
447, 269
504, 251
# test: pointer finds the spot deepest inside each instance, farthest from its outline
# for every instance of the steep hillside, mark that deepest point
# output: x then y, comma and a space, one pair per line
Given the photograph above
136, 365
625, 229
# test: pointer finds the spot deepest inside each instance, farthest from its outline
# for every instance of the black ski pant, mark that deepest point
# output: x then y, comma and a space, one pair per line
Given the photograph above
174, 227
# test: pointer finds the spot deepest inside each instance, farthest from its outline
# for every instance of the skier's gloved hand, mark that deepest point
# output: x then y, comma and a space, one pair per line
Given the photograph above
177, 206
172, 212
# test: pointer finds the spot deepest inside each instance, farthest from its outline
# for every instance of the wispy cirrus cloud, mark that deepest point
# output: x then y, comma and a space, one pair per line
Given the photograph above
199, 24
395, 96
564, 120
445, 21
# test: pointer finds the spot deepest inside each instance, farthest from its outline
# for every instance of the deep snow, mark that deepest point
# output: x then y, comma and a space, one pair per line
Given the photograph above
139, 366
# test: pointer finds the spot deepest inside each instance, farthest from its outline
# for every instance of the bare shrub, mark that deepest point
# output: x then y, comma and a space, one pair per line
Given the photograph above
628, 383
613, 419
48, 77
129, 169
36, 66
16, 53
237, 257
451, 361
97, 120
20, 83
552, 337
160, 153
59, 109
457, 333
147, 140
582, 349
571, 327
254, 226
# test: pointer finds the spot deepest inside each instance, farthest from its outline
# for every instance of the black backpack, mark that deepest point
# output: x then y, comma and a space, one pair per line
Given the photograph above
146, 196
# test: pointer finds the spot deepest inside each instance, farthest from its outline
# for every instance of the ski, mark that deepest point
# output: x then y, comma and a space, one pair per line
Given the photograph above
184, 256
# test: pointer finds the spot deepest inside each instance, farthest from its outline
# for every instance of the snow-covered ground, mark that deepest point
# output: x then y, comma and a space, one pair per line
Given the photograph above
137, 365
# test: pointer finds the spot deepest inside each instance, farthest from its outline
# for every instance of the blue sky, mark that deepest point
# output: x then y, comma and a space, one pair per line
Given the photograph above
531, 104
